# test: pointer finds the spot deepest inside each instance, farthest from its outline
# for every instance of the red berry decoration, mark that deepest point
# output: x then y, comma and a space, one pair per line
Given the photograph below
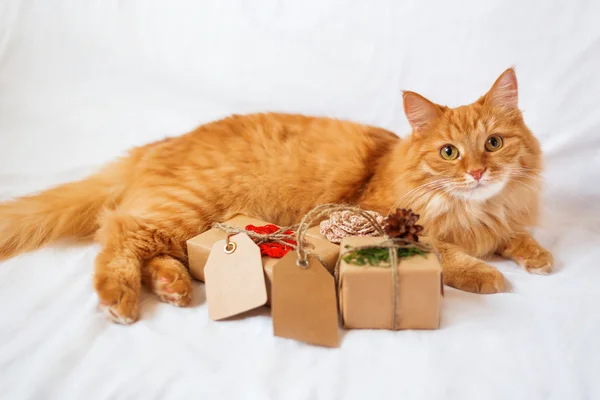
272, 249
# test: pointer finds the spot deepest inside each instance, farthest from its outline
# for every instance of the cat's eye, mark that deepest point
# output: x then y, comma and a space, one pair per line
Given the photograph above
494, 143
449, 152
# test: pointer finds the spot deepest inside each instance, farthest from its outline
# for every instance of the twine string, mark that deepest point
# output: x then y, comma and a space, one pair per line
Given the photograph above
278, 236
259, 238
394, 263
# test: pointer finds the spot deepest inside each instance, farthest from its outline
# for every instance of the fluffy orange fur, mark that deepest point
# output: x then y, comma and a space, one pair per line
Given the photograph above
276, 167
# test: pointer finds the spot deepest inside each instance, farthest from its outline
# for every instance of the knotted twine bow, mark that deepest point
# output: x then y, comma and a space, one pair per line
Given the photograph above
284, 235
270, 248
270, 234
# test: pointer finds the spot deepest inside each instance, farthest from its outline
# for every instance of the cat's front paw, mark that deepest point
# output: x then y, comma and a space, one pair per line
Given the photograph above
476, 278
540, 263
528, 253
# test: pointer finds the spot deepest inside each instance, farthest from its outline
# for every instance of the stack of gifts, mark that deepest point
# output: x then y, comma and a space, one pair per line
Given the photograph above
355, 268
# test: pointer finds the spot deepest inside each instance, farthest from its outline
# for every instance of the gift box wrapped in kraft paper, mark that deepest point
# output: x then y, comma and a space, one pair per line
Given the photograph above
199, 248
377, 291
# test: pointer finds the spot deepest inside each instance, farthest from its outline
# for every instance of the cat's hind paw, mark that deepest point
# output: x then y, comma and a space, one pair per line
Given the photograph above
118, 300
169, 280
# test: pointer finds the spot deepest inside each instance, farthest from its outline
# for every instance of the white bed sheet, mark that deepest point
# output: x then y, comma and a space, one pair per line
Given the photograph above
80, 82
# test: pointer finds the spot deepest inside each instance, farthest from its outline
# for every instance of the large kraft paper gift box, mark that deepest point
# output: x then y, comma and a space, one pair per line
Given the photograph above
373, 297
199, 248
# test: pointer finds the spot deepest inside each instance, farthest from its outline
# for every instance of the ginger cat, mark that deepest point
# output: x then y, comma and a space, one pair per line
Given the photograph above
472, 172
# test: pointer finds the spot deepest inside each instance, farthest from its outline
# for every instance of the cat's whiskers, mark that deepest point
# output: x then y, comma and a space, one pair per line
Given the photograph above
410, 194
450, 190
458, 188
422, 195
529, 186
546, 181
421, 199
423, 191
428, 194
433, 201
524, 173
515, 174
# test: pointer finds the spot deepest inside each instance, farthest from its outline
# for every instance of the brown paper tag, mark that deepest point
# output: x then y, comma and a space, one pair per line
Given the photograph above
235, 281
304, 303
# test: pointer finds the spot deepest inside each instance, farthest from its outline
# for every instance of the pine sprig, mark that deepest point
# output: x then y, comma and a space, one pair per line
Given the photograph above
376, 256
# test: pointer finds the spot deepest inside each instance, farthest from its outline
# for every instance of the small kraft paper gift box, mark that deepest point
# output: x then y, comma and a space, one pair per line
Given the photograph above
377, 291
199, 248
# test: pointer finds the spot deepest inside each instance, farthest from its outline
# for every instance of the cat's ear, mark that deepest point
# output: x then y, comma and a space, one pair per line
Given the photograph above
504, 93
419, 111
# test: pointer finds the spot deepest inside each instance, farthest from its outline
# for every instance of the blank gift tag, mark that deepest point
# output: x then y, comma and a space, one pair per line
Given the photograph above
304, 303
235, 281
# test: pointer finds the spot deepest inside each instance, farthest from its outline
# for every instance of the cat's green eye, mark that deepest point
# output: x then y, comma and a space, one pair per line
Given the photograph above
449, 152
494, 143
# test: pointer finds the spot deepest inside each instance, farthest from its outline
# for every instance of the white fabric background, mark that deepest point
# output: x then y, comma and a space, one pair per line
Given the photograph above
80, 82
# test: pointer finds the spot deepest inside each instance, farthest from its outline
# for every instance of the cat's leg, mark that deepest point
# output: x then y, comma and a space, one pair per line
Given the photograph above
528, 253
169, 279
468, 273
127, 242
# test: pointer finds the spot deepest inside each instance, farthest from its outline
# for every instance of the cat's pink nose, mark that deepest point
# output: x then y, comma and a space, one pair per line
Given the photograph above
477, 173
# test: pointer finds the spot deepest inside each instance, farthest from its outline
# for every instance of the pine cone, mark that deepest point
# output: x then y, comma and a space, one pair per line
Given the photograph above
401, 224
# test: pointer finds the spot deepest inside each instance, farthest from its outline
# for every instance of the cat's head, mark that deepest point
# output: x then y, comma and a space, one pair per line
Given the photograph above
472, 152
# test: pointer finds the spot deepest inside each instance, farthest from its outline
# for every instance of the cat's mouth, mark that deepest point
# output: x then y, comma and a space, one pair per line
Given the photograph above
480, 190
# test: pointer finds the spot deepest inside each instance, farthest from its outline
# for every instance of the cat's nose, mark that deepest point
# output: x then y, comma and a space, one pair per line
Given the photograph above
477, 173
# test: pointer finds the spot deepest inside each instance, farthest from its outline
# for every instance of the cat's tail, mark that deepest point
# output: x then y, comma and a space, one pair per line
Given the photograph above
70, 210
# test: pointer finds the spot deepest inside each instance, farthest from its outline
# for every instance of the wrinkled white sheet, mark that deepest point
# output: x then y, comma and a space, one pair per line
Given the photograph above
80, 82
